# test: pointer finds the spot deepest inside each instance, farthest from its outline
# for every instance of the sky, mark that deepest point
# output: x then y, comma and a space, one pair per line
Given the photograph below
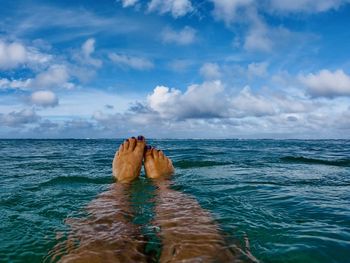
175, 69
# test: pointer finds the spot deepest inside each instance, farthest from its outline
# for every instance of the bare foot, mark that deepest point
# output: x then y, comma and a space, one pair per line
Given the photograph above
157, 165
128, 159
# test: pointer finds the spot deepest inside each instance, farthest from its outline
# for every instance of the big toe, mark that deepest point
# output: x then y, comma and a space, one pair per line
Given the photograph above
148, 153
140, 144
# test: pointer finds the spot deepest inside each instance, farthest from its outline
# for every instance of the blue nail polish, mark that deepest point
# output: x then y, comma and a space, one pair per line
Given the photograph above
149, 147
140, 138
133, 137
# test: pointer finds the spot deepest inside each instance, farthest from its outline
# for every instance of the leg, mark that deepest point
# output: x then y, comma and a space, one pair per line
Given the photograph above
188, 232
107, 235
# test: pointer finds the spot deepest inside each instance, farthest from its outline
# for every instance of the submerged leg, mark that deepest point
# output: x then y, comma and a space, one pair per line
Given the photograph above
107, 234
188, 232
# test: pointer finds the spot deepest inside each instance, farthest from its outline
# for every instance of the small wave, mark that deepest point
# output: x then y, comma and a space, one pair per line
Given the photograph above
301, 159
76, 179
185, 164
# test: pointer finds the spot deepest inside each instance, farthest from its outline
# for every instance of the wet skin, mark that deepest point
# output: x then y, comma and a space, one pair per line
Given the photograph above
188, 232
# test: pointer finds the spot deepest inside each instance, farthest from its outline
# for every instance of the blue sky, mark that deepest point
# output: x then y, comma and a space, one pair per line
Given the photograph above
175, 69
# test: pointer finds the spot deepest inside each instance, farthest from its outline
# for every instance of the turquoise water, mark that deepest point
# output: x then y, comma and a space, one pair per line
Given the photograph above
290, 198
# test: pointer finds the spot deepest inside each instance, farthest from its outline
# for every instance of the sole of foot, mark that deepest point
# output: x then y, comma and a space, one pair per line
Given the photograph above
127, 161
157, 165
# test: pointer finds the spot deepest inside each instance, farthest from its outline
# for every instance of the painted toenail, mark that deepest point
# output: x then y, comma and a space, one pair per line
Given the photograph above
148, 147
140, 138
133, 137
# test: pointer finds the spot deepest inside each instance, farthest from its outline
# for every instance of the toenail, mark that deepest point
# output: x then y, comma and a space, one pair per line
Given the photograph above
133, 137
140, 138
148, 147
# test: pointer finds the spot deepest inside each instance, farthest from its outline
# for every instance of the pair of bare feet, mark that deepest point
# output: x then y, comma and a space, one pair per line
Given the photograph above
128, 159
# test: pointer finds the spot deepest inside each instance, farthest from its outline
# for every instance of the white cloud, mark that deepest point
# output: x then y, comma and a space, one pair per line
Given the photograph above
210, 100
185, 36
257, 69
177, 8
87, 49
199, 101
326, 83
14, 84
44, 98
210, 71
12, 55
309, 6
258, 37
54, 76
128, 3
249, 104
164, 101
18, 118
15, 54
131, 62
202, 110
227, 10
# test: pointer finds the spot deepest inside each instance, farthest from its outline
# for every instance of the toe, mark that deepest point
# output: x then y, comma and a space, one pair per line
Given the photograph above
148, 153
140, 144
161, 154
126, 145
155, 153
132, 143
121, 148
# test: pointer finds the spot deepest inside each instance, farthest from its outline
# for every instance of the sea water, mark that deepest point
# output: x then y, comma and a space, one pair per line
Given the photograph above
289, 198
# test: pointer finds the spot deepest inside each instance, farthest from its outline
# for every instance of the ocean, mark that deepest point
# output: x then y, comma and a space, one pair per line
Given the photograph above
289, 198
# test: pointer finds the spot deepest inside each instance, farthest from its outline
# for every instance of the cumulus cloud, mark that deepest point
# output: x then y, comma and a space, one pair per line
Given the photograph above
199, 101
249, 104
16, 54
185, 36
125, 61
209, 109
210, 71
44, 98
326, 83
18, 118
55, 76
177, 8
211, 100
12, 55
